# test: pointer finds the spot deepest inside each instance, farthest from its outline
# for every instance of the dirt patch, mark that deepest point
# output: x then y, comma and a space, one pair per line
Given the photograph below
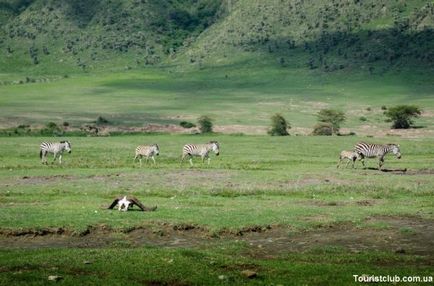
397, 234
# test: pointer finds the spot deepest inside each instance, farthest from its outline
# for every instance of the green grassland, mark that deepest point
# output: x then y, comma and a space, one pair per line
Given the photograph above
233, 95
290, 183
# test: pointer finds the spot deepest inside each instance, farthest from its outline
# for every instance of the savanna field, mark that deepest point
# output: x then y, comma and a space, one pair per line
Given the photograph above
269, 210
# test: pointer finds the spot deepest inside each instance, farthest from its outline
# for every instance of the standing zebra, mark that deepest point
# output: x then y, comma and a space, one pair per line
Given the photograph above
149, 151
366, 150
200, 150
57, 148
350, 156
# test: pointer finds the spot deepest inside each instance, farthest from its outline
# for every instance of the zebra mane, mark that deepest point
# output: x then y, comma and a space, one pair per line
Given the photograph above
213, 142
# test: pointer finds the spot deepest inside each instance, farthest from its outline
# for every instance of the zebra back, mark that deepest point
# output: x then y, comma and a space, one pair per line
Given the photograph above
375, 150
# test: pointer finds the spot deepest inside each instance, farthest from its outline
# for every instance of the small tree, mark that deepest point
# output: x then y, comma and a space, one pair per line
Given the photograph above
323, 128
332, 116
205, 124
402, 115
279, 125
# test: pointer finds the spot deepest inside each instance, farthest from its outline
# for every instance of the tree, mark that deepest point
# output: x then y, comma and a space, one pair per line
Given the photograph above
402, 115
332, 116
205, 124
279, 125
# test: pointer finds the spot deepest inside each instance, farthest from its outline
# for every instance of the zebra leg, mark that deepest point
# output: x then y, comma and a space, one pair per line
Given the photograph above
153, 159
54, 159
339, 162
380, 163
44, 157
191, 161
60, 159
140, 160
209, 159
354, 161
348, 162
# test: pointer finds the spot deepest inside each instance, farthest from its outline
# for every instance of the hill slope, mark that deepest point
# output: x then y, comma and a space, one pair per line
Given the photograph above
46, 35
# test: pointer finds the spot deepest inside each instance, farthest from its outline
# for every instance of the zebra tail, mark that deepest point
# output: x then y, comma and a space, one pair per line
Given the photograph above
40, 154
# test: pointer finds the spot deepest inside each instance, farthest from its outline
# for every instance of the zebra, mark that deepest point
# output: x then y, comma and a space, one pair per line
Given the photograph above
57, 148
201, 150
149, 151
367, 150
350, 156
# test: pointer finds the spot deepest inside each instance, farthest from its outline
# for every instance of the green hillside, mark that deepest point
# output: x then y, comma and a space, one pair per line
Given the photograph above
47, 36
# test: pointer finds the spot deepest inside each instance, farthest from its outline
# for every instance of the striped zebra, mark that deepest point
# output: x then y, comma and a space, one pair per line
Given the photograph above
349, 156
148, 151
56, 148
366, 150
200, 150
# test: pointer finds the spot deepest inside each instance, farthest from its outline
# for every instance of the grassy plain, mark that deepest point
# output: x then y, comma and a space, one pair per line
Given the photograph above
237, 95
274, 205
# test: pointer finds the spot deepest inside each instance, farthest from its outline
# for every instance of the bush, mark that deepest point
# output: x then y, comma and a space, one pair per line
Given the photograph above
333, 117
51, 128
187, 124
279, 125
101, 120
323, 128
402, 115
383, 107
368, 109
205, 124
363, 118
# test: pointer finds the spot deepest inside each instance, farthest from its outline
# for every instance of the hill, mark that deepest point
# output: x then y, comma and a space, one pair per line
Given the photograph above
47, 36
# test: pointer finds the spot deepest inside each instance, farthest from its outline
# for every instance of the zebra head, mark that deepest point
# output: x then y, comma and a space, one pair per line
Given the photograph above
155, 149
67, 146
215, 147
394, 148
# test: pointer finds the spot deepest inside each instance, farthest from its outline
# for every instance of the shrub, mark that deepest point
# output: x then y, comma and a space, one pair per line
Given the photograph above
205, 124
323, 128
279, 125
101, 120
402, 115
187, 124
368, 108
383, 107
333, 117
51, 128
65, 124
363, 118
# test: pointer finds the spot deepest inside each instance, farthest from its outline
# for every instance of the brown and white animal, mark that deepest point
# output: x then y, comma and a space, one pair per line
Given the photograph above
200, 150
350, 156
148, 151
126, 202
367, 150
56, 148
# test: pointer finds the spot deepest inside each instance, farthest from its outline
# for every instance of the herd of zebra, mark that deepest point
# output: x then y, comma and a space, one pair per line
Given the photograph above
147, 151
361, 151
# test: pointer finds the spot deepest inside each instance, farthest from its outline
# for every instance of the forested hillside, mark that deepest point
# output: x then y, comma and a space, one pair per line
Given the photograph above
56, 35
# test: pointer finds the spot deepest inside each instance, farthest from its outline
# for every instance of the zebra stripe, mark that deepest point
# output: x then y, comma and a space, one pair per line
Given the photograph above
349, 156
148, 151
55, 148
200, 150
367, 150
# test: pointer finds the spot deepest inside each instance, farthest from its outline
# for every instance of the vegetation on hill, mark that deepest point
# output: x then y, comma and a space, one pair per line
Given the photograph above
320, 35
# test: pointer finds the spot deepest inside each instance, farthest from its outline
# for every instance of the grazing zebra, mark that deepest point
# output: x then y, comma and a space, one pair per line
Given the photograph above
56, 148
200, 150
350, 156
366, 150
149, 151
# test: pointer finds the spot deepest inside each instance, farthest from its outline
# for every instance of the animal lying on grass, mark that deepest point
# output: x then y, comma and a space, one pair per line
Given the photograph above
125, 203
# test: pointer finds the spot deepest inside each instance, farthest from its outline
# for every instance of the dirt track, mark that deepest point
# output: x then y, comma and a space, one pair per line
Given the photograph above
403, 235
